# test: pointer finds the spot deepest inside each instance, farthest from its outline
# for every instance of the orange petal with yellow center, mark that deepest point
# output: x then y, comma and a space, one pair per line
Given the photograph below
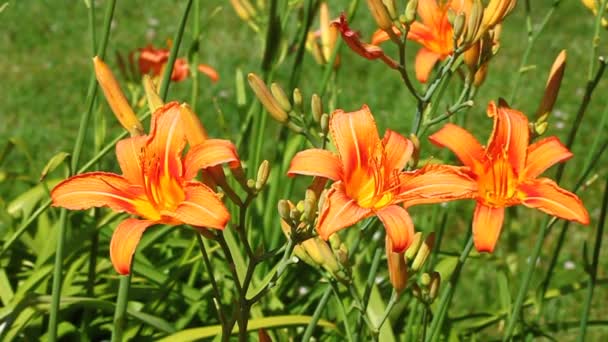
339, 212
98, 189
487, 224
166, 141
124, 243
545, 195
510, 134
355, 136
316, 162
399, 226
436, 184
397, 149
209, 71
461, 142
425, 62
129, 154
543, 154
201, 208
210, 153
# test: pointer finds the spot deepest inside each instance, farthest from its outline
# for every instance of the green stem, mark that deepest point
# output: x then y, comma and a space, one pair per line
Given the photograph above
373, 270
389, 307
595, 42
532, 37
57, 276
317, 314
120, 318
342, 311
195, 54
594, 265
448, 293
92, 90
216, 290
164, 86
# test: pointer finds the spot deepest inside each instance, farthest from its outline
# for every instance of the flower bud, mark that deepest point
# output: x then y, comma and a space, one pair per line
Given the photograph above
472, 55
280, 96
397, 268
416, 152
116, 98
474, 22
324, 123
416, 291
298, 101
334, 241
425, 279
459, 21
265, 96
243, 9
412, 250
391, 8
480, 75
553, 85
423, 252
241, 94
154, 101
380, 14
262, 178
434, 286
284, 209
410, 11
316, 105
295, 127
310, 205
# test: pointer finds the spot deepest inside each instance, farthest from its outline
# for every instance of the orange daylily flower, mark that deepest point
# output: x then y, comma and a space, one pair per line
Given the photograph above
506, 172
353, 40
321, 43
156, 184
153, 61
368, 178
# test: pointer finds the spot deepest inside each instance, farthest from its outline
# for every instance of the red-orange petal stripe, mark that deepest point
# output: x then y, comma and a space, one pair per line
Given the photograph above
543, 154
398, 150
510, 134
424, 64
545, 195
166, 141
316, 162
399, 226
356, 137
210, 152
96, 189
487, 225
339, 212
461, 142
201, 208
124, 243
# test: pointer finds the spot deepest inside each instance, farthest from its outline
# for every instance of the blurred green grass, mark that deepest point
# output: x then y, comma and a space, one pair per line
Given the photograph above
46, 65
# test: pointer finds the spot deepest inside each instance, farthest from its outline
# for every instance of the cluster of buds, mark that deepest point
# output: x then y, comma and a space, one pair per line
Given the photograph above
248, 12
477, 56
407, 263
592, 6
297, 223
321, 43
554, 81
427, 288
291, 113
476, 21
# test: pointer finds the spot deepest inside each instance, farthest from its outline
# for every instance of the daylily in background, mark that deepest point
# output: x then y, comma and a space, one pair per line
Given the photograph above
153, 61
506, 172
156, 184
368, 178
321, 43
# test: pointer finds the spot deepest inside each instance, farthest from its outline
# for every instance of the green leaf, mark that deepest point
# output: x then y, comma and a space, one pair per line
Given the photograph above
375, 310
254, 324
23, 205
239, 261
6, 291
53, 163
503, 290
253, 291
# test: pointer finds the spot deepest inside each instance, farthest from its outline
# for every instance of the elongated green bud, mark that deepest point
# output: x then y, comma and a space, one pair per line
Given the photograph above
265, 96
316, 105
280, 96
412, 250
262, 178
423, 252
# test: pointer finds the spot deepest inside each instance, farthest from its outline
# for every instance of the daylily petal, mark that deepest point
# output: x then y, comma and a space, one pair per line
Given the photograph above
209, 71
429, 11
129, 153
380, 36
151, 60
124, 243
98, 189
316, 162
436, 184
166, 141
425, 61
543, 154
420, 34
398, 150
181, 70
210, 153
545, 195
201, 208
339, 212
487, 224
461, 142
355, 136
399, 226
510, 134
